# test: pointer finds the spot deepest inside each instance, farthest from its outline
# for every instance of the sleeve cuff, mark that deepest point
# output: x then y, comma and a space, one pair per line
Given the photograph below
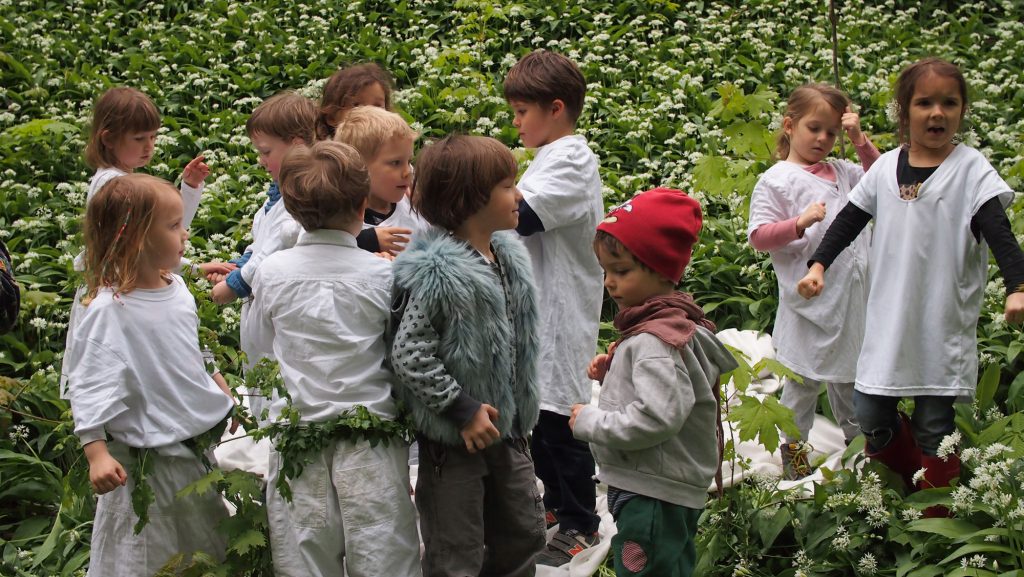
91, 435
462, 409
367, 240
238, 284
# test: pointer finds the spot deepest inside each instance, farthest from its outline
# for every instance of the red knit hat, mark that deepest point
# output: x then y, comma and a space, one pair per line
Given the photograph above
659, 227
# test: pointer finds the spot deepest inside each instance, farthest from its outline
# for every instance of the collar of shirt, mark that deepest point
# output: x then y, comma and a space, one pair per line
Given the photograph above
327, 236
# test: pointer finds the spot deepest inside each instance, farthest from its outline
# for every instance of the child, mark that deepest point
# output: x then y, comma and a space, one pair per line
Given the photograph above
935, 205
819, 341
121, 139
652, 431
276, 125
465, 353
561, 206
385, 142
360, 85
140, 382
322, 307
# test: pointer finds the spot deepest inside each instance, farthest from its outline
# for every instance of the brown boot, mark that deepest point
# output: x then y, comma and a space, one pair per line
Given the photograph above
938, 473
902, 454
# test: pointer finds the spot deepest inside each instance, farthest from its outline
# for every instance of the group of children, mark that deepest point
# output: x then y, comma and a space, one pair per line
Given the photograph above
483, 329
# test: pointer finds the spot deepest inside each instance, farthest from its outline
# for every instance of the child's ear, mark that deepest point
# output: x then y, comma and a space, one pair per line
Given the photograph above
787, 125
557, 107
105, 138
297, 140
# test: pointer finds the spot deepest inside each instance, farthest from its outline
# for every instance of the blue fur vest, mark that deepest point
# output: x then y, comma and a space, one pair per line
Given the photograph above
465, 303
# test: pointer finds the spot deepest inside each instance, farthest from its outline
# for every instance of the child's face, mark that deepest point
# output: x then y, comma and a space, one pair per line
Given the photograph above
165, 241
628, 283
133, 149
534, 122
502, 210
812, 137
372, 95
271, 150
936, 110
391, 172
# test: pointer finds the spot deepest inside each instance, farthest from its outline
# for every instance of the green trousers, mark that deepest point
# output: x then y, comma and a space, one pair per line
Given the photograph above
655, 538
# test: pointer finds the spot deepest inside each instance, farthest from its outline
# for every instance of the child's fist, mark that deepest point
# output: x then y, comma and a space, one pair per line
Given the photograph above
392, 238
813, 282
1014, 312
851, 124
598, 367
815, 212
576, 410
480, 432
222, 294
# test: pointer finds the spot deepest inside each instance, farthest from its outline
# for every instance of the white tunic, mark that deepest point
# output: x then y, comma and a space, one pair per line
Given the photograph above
930, 272
139, 374
563, 187
321, 309
818, 338
272, 231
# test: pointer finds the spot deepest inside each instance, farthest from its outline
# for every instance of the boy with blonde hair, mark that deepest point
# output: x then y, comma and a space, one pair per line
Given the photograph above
561, 206
385, 141
322, 308
652, 430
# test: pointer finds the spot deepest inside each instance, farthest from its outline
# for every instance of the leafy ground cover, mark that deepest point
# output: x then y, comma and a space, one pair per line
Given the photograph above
681, 94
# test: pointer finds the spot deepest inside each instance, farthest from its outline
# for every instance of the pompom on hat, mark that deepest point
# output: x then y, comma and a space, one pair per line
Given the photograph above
660, 227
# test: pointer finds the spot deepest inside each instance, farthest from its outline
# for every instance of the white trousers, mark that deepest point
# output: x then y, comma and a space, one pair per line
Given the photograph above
350, 514
176, 525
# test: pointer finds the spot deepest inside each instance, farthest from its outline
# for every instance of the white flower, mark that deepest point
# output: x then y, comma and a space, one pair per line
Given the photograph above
948, 445
867, 564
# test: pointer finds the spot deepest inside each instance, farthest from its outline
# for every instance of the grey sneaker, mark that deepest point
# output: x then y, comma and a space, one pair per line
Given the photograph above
565, 545
794, 460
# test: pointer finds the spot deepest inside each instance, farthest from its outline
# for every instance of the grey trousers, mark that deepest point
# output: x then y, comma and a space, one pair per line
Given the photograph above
803, 400
480, 514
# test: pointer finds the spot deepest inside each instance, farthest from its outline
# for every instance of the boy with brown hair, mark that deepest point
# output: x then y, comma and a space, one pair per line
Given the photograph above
275, 126
561, 206
322, 308
651, 432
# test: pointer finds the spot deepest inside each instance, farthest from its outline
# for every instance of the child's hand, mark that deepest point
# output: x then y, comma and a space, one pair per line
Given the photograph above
105, 473
223, 384
1015, 308
385, 255
815, 212
576, 410
222, 294
851, 124
813, 282
392, 238
481, 433
195, 171
216, 271
598, 367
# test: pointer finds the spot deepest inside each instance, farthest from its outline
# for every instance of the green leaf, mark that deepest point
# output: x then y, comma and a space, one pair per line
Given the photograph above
202, 485
976, 548
769, 528
987, 386
950, 528
247, 541
762, 420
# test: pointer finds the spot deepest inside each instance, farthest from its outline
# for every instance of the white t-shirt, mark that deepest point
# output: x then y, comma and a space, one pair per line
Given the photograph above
321, 309
929, 277
403, 217
563, 187
140, 375
818, 338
